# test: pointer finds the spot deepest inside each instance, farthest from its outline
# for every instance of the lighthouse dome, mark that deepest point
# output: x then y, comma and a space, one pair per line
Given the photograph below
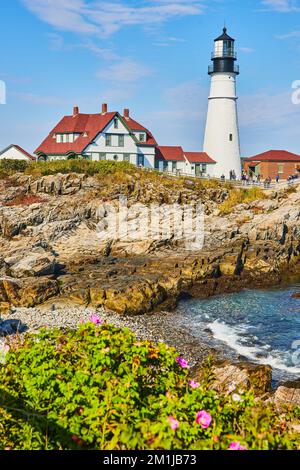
224, 36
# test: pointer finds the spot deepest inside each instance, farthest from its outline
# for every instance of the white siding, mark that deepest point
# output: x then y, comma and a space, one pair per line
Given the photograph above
14, 154
130, 146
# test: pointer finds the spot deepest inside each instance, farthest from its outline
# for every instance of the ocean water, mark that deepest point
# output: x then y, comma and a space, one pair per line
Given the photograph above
260, 325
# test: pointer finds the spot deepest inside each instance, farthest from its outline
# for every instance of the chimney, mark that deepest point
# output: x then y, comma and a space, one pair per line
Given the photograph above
104, 108
126, 113
75, 110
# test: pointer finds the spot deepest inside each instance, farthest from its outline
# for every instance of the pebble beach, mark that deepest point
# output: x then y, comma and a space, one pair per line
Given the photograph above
156, 327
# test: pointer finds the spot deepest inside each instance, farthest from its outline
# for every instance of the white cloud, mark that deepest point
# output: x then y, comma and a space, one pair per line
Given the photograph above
125, 71
56, 41
282, 6
266, 110
66, 15
292, 34
105, 18
266, 120
246, 50
181, 119
35, 99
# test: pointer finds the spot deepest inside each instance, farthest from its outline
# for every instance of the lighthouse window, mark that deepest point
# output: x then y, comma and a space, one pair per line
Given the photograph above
230, 137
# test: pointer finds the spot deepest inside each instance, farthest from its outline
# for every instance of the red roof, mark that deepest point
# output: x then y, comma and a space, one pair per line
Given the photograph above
135, 126
274, 156
170, 154
24, 152
21, 150
198, 157
89, 126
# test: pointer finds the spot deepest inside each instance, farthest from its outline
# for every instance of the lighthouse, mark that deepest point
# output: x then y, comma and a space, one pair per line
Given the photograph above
221, 140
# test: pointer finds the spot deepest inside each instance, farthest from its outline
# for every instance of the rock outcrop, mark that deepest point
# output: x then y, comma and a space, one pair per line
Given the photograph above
288, 394
57, 239
229, 378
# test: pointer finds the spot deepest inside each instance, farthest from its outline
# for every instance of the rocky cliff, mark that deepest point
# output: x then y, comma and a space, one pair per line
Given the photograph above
52, 244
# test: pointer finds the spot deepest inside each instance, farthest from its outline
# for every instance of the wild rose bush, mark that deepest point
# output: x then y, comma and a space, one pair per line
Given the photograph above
101, 388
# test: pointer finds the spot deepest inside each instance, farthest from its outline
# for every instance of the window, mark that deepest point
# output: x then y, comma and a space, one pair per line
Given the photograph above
280, 167
58, 138
116, 123
126, 157
121, 140
204, 167
174, 166
230, 137
108, 140
141, 160
116, 158
95, 156
102, 156
142, 137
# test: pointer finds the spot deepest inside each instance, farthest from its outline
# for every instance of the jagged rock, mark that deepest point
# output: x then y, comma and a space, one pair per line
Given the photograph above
37, 292
254, 245
288, 394
11, 327
239, 377
9, 294
35, 264
296, 295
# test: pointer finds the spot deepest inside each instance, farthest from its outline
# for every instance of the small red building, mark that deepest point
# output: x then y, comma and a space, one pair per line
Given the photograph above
272, 163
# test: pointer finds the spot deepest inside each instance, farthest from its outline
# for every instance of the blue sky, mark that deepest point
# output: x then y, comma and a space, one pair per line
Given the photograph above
150, 56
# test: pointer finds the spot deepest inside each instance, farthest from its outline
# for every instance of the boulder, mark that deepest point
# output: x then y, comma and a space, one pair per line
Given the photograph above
35, 264
296, 295
239, 377
37, 290
288, 394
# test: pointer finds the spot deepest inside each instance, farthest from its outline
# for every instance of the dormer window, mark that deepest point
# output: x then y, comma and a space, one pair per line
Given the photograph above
67, 138
116, 123
142, 137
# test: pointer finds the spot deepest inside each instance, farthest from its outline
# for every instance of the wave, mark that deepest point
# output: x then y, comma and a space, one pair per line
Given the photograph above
232, 337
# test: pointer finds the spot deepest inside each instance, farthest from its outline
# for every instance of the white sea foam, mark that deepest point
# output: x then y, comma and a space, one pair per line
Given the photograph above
231, 336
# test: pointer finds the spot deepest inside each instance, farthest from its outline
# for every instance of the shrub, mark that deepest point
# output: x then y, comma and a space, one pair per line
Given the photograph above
101, 388
241, 196
8, 167
77, 166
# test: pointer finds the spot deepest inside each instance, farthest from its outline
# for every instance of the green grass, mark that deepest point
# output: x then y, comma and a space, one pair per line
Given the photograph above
241, 196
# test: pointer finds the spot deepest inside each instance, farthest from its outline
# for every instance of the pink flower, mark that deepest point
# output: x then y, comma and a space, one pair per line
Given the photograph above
182, 362
95, 319
237, 446
174, 424
76, 439
203, 418
194, 384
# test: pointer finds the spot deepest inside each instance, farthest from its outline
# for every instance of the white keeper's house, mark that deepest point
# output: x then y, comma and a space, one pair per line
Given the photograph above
118, 137
15, 152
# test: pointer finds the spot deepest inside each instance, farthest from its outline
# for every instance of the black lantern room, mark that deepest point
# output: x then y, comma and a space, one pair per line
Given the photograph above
224, 56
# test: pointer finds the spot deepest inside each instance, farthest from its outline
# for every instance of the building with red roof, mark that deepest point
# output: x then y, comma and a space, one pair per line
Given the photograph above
112, 136
15, 152
103, 136
272, 163
175, 159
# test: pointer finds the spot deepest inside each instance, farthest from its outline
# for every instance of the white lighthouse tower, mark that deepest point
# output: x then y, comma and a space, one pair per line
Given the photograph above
221, 141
